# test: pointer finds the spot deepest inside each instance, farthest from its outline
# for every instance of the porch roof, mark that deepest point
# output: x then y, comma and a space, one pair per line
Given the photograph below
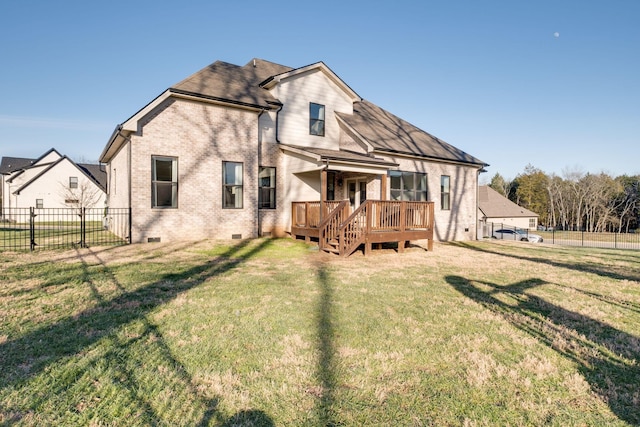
340, 157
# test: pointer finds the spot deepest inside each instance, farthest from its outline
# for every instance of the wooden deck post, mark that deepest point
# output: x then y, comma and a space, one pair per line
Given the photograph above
383, 187
323, 194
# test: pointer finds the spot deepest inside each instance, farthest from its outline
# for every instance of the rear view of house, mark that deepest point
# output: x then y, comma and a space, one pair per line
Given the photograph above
230, 152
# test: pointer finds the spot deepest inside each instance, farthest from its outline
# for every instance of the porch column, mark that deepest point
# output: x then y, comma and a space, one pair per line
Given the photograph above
383, 187
323, 193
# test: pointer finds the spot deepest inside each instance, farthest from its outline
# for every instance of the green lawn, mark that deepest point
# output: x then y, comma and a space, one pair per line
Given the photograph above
271, 332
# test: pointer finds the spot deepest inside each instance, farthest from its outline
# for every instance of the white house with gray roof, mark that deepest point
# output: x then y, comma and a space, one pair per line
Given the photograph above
50, 181
497, 209
228, 151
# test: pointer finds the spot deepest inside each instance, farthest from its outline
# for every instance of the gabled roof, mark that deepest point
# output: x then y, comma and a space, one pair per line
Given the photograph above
495, 205
277, 78
87, 170
9, 165
231, 83
383, 131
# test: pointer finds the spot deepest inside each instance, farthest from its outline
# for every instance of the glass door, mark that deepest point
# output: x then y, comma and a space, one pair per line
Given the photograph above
357, 190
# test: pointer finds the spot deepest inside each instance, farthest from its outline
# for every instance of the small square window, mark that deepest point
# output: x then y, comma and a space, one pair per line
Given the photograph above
39, 203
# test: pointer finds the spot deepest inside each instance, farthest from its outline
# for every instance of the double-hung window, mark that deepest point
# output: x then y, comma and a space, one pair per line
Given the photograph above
267, 187
445, 196
164, 182
232, 185
39, 203
316, 119
73, 182
409, 186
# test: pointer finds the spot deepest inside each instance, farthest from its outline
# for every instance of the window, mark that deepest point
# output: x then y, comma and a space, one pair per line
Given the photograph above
231, 185
532, 223
39, 203
316, 119
267, 188
73, 182
164, 182
410, 186
445, 201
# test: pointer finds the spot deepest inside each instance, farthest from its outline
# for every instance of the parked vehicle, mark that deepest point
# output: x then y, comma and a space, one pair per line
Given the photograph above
521, 235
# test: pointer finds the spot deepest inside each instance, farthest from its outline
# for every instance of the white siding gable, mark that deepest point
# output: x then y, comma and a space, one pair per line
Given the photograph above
296, 93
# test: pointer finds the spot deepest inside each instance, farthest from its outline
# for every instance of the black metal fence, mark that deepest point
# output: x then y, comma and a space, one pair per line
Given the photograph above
30, 229
565, 237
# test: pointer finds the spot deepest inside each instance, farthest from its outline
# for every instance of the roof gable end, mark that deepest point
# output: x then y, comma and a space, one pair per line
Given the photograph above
318, 66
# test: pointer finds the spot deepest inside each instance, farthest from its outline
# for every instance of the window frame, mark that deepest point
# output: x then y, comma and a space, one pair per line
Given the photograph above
272, 188
317, 124
409, 189
73, 182
445, 193
39, 203
163, 182
226, 186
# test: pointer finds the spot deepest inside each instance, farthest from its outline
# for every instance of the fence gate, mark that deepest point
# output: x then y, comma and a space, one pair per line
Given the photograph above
54, 228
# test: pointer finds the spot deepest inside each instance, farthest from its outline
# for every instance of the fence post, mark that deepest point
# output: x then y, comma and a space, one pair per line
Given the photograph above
83, 227
32, 228
130, 225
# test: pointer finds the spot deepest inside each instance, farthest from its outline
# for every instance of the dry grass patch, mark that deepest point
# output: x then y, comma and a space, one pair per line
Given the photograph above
271, 332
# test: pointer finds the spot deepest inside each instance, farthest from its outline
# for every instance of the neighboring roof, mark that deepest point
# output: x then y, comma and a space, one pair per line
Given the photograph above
323, 154
90, 171
384, 131
228, 82
495, 205
96, 172
12, 164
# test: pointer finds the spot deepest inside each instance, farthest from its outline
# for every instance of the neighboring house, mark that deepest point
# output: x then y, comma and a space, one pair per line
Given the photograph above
225, 152
50, 181
497, 209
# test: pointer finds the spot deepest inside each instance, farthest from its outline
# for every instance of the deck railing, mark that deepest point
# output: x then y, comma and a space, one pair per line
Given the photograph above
374, 221
310, 214
329, 228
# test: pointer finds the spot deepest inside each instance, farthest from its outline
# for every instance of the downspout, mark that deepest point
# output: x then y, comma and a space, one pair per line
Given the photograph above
259, 150
278, 115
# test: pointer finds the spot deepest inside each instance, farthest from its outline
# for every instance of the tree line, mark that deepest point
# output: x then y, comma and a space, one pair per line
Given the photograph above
576, 200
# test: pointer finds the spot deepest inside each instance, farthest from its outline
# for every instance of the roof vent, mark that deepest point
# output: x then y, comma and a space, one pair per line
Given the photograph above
254, 63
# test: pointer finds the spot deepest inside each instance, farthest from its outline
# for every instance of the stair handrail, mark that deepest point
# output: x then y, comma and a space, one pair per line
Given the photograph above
352, 233
330, 225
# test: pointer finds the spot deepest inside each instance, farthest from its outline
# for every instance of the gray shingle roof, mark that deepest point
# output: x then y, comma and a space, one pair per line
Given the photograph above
495, 205
12, 164
387, 132
229, 82
96, 172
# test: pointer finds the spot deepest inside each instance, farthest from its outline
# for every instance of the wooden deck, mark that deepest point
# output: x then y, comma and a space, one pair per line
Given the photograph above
375, 221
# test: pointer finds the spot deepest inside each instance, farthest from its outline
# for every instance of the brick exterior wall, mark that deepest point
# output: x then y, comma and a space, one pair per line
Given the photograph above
201, 136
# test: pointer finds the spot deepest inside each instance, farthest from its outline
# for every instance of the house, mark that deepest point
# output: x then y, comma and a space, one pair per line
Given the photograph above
50, 181
235, 152
497, 209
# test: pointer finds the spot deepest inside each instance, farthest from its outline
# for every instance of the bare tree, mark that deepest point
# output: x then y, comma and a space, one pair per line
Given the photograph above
86, 195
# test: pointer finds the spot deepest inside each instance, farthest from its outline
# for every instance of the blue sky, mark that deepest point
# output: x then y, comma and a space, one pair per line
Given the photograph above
554, 84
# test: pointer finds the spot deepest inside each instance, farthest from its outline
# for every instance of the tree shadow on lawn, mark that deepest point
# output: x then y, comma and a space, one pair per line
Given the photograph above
602, 269
71, 342
607, 357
